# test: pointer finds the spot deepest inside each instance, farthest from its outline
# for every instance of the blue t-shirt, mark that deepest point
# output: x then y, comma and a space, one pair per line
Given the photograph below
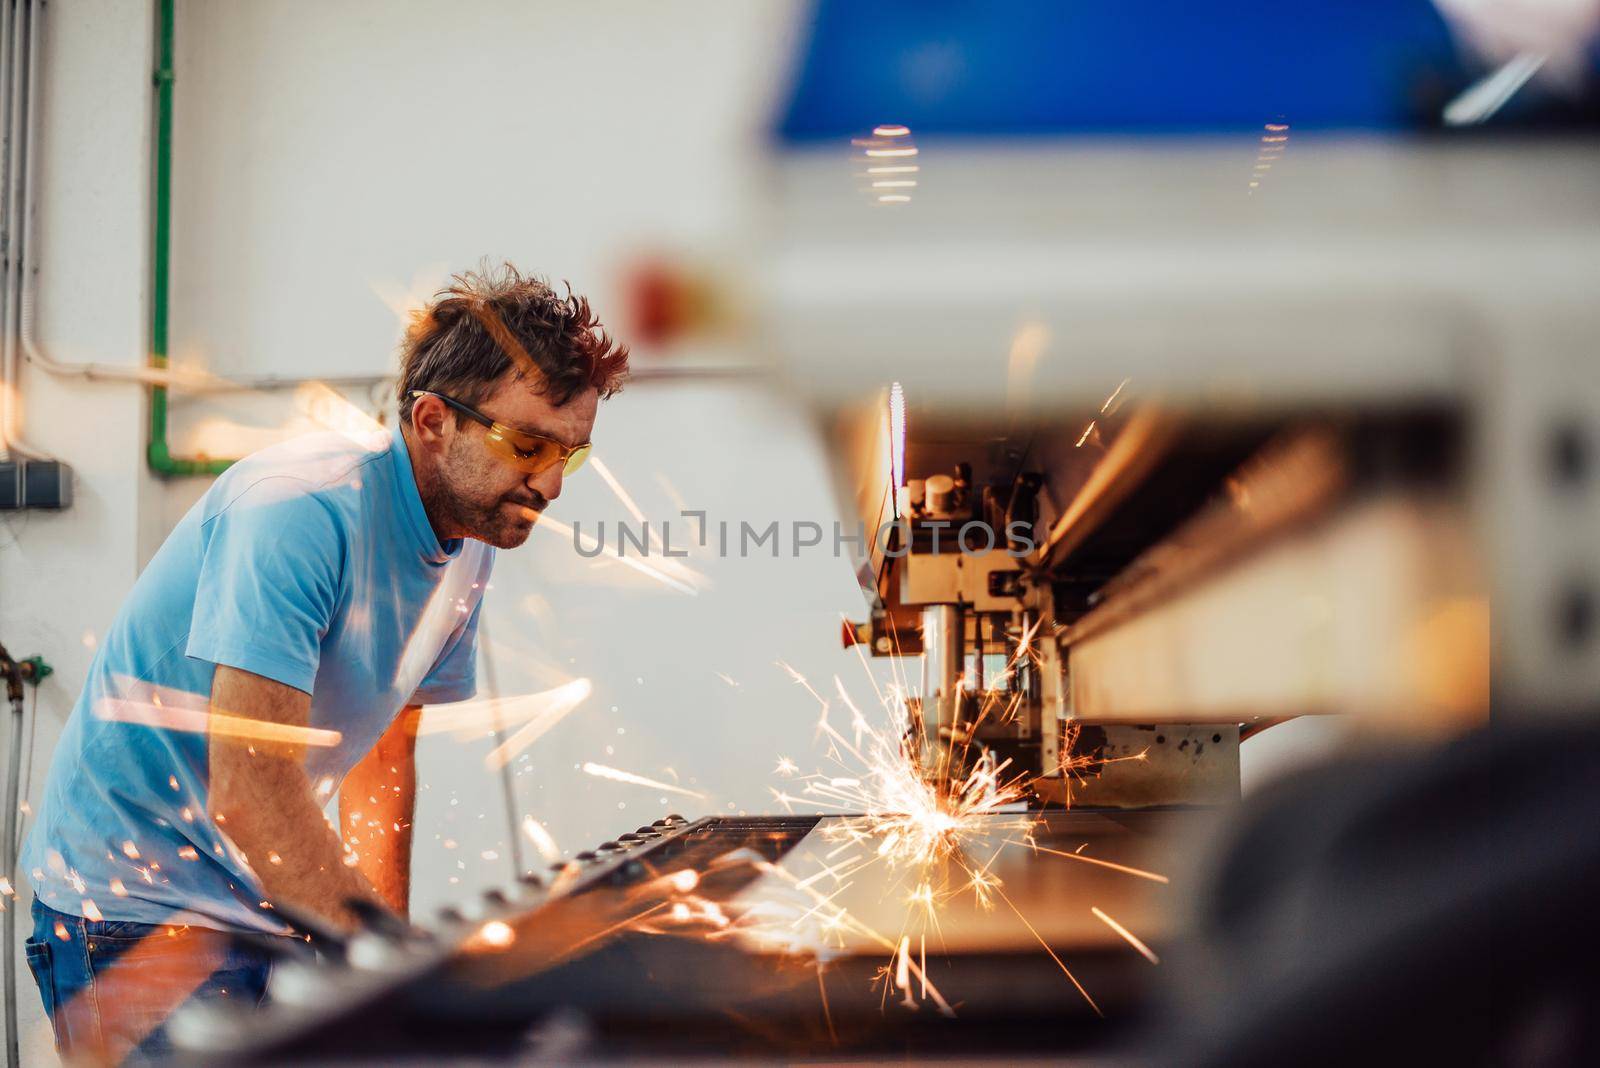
311, 563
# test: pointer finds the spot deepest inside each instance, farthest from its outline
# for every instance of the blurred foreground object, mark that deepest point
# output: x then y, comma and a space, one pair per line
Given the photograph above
1420, 907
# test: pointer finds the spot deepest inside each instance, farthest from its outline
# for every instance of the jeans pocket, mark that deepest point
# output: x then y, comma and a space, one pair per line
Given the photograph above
38, 954
124, 930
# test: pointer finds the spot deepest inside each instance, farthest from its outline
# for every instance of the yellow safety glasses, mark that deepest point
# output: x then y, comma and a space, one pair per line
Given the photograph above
533, 453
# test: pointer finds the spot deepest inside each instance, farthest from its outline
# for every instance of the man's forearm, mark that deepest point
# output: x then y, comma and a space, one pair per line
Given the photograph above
271, 816
377, 803
261, 798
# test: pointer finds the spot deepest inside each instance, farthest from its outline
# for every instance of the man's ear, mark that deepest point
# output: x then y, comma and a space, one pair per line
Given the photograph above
428, 416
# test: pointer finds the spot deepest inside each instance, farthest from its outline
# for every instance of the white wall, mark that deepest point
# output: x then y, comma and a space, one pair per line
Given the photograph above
62, 575
331, 153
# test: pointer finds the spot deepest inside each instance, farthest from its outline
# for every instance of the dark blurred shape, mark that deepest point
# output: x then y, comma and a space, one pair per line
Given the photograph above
1431, 908
1036, 67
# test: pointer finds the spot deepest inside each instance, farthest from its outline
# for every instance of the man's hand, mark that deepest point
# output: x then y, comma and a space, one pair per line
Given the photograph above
377, 804
261, 798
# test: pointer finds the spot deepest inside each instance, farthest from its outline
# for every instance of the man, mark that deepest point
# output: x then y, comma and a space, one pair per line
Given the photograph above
280, 646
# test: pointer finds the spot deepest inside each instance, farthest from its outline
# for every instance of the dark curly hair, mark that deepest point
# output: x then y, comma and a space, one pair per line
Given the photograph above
493, 320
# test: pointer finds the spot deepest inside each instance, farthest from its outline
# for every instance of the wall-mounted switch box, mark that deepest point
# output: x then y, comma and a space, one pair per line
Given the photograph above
34, 484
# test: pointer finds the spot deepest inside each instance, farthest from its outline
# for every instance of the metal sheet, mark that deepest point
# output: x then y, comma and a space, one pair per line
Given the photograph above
1046, 890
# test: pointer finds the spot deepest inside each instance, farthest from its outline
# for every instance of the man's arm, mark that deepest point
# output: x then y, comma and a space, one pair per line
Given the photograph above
261, 798
377, 804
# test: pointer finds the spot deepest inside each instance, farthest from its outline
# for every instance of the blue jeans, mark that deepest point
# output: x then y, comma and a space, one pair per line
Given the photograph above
109, 985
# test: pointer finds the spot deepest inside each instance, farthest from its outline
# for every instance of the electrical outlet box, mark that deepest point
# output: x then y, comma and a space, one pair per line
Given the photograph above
34, 484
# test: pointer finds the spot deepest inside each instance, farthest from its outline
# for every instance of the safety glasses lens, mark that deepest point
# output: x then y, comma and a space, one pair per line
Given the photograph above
532, 455
576, 459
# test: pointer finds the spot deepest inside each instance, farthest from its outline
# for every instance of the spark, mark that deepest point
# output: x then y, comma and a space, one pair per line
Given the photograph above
545, 718
666, 564
1140, 873
542, 839
497, 933
469, 719
827, 1013
922, 961
983, 884
837, 873
910, 819
1114, 395
902, 974
616, 487
555, 526
631, 922
617, 775
786, 767
1052, 953
1143, 949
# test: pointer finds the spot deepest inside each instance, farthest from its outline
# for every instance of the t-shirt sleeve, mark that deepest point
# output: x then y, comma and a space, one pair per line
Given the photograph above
454, 676
268, 584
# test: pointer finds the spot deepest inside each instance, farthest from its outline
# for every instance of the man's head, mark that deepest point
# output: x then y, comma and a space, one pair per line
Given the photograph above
510, 349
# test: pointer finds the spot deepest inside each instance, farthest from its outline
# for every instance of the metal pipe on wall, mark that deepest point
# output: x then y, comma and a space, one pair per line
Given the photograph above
11, 674
21, 56
6, 70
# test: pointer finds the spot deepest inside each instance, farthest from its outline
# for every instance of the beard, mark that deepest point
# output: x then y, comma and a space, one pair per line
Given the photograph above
503, 523
487, 511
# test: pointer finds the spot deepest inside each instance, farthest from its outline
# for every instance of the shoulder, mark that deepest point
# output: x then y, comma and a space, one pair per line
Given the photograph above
315, 478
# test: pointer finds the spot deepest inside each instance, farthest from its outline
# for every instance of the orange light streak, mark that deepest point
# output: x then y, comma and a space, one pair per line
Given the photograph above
542, 839
617, 775
555, 526
1143, 949
532, 730
1059, 963
1152, 876
193, 720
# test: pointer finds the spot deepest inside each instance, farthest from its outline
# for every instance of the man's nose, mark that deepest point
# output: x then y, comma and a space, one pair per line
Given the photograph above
546, 483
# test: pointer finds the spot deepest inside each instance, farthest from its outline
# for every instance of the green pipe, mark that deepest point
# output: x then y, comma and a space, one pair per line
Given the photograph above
157, 452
